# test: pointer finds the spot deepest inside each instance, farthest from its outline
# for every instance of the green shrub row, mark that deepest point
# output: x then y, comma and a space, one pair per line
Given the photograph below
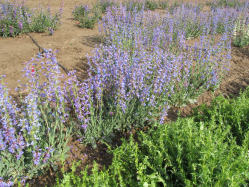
208, 149
225, 3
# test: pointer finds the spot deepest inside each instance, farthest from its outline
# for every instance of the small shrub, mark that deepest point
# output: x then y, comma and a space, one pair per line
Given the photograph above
241, 33
104, 4
163, 4
229, 3
183, 153
227, 112
134, 5
33, 136
173, 7
151, 5
87, 16
16, 19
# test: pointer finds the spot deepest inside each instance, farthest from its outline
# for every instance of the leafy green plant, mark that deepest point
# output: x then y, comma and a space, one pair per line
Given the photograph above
163, 4
233, 112
42, 20
151, 5
210, 148
209, 3
134, 5
193, 30
173, 6
98, 178
39, 137
183, 153
87, 22
226, 3
104, 4
16, 19
187, 154
87, 16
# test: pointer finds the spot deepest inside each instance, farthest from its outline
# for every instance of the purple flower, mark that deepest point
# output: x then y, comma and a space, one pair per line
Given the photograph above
18, 156
11, 29
36, 155
20, 25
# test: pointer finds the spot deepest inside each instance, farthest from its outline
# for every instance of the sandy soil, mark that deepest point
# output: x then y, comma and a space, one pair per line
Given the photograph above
73, 44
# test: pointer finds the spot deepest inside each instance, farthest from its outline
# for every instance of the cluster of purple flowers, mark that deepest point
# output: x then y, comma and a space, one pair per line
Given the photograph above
158, 45
119, 27
10, 138
37, 155
22, 130
206, 23
137, 70
50, 30
6, 184
61, 8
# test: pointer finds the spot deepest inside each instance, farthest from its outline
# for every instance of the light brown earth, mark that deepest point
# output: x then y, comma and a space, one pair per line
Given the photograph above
74, 43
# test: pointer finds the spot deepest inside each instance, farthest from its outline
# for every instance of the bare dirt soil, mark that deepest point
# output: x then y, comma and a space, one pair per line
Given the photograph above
73, 44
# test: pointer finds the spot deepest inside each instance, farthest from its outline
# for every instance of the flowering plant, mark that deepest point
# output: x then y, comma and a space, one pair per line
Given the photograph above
31, 136
241, 33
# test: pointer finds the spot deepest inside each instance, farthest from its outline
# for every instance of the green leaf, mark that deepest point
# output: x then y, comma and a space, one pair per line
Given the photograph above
66, 156
66, 150
55, 167
183, 105
4, 154
108, 140
192, 101
1, 165
202, 126
145, 184
10, 170
94, 145
56, 153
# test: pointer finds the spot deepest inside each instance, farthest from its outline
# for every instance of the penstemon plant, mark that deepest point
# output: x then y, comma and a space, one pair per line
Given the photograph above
151, 5
131, 83
103, 4
185, 74
134, 5
87, 15
241, 33
163, 4
33, 136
